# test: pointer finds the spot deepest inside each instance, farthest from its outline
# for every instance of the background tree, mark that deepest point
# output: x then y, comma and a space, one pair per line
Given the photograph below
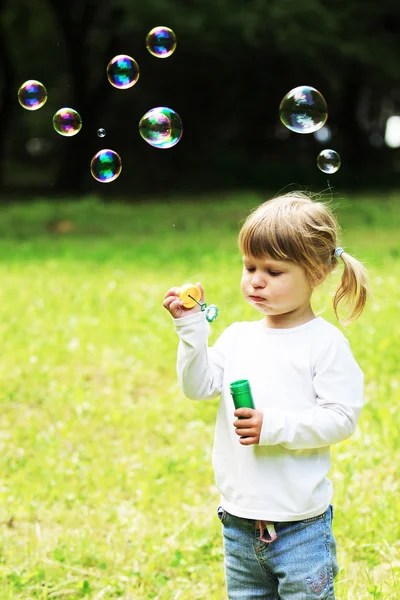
234, 63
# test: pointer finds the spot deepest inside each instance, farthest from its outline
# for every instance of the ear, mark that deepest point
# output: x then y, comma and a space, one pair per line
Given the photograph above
317, 279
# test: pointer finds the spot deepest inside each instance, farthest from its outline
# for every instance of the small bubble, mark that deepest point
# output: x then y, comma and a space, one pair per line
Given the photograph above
122, 71
106, 166
101, 132
32, 95
161, 42
328, 161
67, 122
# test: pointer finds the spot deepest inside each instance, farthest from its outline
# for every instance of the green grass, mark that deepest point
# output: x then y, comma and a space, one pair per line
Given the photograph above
107, 489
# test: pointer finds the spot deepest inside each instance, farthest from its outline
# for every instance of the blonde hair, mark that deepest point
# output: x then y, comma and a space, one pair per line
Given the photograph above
296, 228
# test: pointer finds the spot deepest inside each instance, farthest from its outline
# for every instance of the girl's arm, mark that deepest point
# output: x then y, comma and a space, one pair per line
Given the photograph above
200, 369
339, 383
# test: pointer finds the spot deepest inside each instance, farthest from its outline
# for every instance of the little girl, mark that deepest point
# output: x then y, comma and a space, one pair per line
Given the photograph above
271, 462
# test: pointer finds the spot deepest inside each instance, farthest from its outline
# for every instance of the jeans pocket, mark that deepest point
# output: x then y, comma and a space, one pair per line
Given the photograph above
221, 512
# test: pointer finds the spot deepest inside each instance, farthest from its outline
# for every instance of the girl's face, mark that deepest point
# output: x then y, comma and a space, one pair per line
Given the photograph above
278, 289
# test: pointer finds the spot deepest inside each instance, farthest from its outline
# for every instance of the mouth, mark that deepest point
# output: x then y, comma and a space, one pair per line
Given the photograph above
257, 299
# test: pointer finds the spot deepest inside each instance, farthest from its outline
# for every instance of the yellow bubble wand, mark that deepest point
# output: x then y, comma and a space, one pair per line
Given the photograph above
190, 295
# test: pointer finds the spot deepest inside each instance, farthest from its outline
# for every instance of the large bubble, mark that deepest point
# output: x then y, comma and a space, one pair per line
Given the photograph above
303, 110
106, 165
67, 122
328, 161
161, 42
32, 94
161, 127
122, 71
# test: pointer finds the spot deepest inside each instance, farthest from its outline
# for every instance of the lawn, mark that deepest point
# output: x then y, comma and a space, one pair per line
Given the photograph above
106, 486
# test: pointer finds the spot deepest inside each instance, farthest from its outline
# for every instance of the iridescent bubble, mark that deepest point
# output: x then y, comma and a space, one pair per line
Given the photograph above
161, 127
328, 161
161, 42
122, 71
67, 122
303, 110
106, 165
32, 94
101, 132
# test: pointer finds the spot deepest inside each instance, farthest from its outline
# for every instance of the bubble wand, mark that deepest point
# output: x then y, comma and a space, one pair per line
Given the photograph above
190, 295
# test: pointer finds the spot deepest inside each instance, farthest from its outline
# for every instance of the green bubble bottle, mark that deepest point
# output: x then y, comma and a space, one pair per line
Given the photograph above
241, 394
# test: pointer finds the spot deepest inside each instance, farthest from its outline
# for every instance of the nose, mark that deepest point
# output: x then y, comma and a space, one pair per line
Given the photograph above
258, 281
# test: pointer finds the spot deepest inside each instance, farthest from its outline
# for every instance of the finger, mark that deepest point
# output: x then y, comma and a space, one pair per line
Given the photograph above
243, 423
173, 306
198, 284
244, 412
245, 432
248, 441
176, 306
168, 301
174, 291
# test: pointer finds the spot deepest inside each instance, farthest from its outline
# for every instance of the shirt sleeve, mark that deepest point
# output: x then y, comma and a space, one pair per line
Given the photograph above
339, 386
200, 369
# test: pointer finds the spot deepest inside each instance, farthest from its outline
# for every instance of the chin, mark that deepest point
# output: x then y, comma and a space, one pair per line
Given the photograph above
259, 308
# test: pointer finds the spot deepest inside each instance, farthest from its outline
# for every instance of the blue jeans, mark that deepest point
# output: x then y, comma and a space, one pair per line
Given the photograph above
300, 564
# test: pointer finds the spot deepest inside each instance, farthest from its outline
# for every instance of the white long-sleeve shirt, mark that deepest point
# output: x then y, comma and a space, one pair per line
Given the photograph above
309, 387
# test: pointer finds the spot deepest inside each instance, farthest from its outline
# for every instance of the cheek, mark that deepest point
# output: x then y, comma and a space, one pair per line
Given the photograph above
244, 280
282, 287
285, 290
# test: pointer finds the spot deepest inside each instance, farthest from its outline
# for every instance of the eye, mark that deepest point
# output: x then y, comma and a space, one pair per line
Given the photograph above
274, 273
250, 269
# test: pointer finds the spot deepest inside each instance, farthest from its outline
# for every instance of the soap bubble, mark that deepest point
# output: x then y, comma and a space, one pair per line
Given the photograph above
328, 161
303, 110
161, 42
101, 132
122, 71
106, 165
67, 122
161, 127
32, 94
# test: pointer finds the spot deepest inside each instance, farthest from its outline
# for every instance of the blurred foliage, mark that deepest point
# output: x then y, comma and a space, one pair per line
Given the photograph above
234, 63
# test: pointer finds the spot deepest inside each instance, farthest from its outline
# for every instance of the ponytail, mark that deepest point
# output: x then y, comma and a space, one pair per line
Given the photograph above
352, 290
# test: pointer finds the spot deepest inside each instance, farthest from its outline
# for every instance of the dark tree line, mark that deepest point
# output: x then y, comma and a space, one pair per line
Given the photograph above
234, 62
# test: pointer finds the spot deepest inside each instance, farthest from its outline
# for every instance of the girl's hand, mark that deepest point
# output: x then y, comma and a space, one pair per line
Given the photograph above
174, 305
249, 426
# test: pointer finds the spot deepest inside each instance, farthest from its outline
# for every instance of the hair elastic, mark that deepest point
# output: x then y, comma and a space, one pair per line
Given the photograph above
338, 252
